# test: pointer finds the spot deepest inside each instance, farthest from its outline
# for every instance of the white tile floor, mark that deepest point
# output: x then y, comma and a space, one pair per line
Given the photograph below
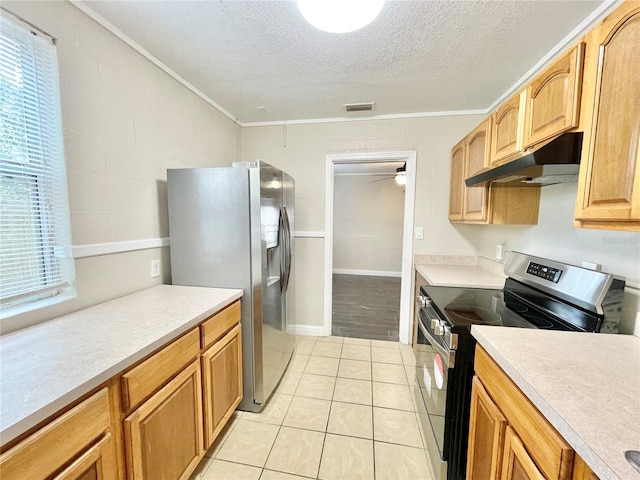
343, 411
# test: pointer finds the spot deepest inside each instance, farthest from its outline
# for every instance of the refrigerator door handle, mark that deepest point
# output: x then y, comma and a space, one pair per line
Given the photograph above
282, 241
287, 250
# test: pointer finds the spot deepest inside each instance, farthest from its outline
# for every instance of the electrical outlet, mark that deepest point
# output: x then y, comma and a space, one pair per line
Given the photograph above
592, 266
155, 268
419, 233
500, 248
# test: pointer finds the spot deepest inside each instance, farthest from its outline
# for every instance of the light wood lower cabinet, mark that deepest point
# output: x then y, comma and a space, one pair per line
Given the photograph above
509, 439
487, 428
222, 382
98, 463
146, 422
609, 183
517, 464
79, 437
164, 435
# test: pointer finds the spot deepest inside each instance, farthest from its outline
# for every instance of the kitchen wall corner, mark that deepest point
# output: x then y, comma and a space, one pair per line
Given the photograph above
125, 122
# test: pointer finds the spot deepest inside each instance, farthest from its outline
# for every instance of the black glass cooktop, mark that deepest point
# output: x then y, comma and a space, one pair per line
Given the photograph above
516, 306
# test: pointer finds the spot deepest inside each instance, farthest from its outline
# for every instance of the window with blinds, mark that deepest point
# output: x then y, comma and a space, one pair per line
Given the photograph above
35, 237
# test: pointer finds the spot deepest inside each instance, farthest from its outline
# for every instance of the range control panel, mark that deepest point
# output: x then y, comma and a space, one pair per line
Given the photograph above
542, 271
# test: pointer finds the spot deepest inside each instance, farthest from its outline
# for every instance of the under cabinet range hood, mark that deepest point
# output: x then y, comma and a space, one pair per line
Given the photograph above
557, 161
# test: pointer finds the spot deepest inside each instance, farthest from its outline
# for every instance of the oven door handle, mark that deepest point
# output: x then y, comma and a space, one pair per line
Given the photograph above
448, 356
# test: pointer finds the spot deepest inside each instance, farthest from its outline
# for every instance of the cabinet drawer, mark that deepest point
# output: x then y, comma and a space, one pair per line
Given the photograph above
49, 449
220, 323
144, 379
551, 453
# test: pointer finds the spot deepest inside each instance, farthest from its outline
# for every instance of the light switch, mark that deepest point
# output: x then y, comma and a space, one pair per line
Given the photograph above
419, 233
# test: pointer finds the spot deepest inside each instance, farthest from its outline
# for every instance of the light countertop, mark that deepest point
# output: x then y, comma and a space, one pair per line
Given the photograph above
587, 385
468, 276
50, 365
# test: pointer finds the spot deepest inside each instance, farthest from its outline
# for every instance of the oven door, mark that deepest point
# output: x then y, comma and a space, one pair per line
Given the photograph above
433, 362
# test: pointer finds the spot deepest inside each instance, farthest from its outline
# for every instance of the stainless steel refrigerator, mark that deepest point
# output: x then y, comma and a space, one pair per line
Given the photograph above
233, 228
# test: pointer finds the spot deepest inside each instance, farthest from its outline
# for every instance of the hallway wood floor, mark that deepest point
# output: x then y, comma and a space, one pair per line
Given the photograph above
365, 307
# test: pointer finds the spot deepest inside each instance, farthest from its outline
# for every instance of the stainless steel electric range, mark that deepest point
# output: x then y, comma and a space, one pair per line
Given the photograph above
538, 293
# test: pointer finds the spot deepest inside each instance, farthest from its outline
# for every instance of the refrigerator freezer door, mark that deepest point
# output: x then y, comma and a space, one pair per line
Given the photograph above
211, 246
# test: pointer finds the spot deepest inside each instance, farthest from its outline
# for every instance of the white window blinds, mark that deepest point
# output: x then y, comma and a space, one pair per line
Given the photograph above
35, 237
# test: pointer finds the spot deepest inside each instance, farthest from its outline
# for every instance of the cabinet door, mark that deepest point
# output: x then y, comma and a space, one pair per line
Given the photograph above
59, 442
163, 437
553, 99
516, 463
456, 192
98, 463
487, 427
222, 374
476, 158
609, 184
506, 131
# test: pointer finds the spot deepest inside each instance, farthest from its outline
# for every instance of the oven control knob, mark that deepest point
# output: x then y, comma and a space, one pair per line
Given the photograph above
439, 328
424, 301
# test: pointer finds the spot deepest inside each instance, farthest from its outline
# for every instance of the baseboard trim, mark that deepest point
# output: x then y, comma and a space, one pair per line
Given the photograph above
316, 331
97, 249
371, 273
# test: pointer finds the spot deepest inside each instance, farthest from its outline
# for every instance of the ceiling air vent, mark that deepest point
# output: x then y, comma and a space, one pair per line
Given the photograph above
359, 107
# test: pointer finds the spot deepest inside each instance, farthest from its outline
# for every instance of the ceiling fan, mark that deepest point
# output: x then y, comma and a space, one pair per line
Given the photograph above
400, 176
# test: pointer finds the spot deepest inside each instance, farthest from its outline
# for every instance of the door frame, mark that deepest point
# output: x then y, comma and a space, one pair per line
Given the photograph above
409, 157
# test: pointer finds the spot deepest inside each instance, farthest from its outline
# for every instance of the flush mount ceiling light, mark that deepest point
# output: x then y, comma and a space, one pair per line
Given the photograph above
340, 16
401, 175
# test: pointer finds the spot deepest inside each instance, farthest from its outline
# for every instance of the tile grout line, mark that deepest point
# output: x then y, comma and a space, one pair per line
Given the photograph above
373, 424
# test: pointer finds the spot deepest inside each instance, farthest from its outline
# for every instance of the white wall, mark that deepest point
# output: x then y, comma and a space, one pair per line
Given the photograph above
367, 223
125, 122
555, 237
304, 158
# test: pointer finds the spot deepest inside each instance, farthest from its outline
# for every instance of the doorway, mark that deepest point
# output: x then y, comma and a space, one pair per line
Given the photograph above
382, 283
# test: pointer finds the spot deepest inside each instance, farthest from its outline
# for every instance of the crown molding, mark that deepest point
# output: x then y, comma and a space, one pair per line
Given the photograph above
391, 116
582, 28
87, 10
598, 14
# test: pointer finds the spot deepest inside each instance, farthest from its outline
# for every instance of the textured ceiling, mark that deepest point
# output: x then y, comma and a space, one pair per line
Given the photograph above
417, 56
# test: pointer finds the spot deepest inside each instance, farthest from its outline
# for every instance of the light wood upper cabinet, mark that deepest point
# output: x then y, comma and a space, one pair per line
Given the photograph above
487, 428
456, 192
609, 183
222, 381
484, 204
552, 101
475, 202
506, 131
164, 435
